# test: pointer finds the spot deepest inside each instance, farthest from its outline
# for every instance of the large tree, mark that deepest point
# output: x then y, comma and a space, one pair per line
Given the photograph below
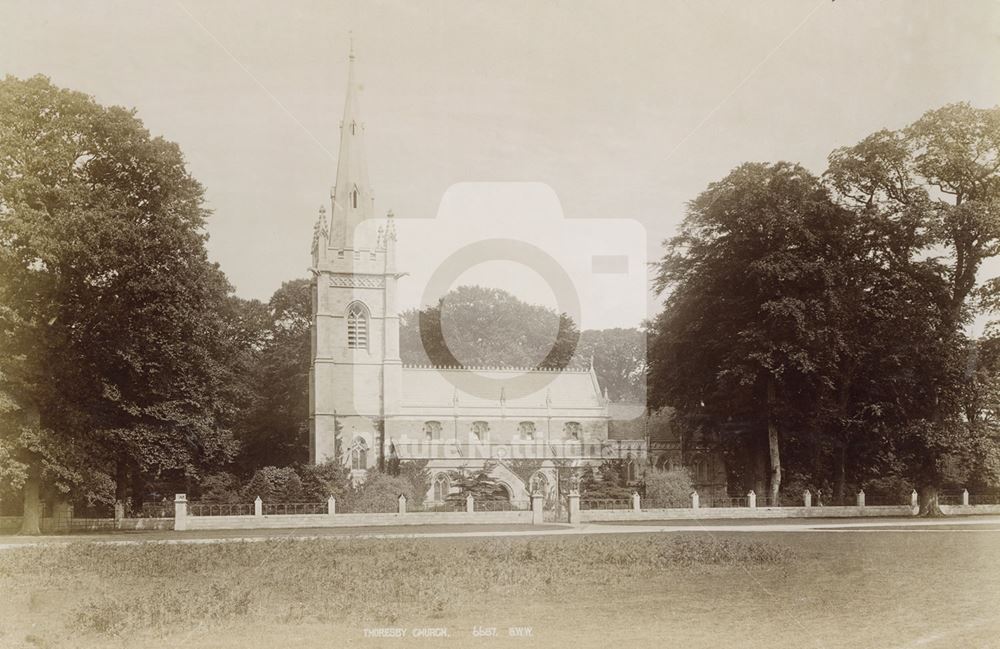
473, 325
478, 326
275, 429
619, 357
937, 184
749, 331
114, 356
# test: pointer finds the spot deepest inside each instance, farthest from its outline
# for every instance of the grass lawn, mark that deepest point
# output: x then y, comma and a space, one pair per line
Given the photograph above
886, 589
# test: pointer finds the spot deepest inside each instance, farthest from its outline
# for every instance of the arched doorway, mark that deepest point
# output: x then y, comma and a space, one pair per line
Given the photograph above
504, 492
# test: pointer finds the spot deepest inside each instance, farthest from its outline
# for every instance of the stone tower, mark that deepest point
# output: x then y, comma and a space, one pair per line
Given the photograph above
355, 374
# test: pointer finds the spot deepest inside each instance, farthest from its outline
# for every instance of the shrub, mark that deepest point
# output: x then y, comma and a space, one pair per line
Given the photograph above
274, 484
416, 473
793, 488
668, 488
606, 482
888, 490
320, 481
477, 483
380, 493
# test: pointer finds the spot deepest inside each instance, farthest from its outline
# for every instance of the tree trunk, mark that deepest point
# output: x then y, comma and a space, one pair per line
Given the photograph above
929, 502
772, 445
31, 517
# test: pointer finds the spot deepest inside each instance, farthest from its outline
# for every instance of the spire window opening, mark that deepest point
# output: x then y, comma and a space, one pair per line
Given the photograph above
354, 199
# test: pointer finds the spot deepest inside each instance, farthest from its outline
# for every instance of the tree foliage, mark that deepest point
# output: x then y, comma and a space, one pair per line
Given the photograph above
832, 314
667, 487
472, 325
275, 428
115, 355
484, 327
477, 482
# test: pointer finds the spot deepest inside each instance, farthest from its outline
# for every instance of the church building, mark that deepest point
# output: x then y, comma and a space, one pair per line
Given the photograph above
365, 405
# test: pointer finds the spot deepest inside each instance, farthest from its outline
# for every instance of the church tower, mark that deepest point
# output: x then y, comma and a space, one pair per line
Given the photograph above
355, 375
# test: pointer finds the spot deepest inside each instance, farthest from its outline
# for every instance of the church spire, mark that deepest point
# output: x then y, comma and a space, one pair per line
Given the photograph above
352, 195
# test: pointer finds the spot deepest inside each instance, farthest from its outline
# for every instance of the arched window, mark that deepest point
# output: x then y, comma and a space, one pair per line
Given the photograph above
526, 429
700, 470
432, 429
572, 431
481, 430
354, 128
538, 484
354, 198
359, 454
630, 470
357, 326
441, 487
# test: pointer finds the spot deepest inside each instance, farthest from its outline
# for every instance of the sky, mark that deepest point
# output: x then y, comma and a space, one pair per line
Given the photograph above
622, 109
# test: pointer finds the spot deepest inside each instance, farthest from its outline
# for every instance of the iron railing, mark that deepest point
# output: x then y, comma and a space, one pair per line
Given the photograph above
950, 499
384, 506
290, 509
444, 506
984, 499
650, 503
157, 510
724, 501
605, 503
220, 509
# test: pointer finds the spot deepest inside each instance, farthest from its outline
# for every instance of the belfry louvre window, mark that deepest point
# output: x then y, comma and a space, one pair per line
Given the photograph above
357, 326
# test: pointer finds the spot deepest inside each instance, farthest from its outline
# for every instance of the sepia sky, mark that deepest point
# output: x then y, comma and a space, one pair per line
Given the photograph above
625, 109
